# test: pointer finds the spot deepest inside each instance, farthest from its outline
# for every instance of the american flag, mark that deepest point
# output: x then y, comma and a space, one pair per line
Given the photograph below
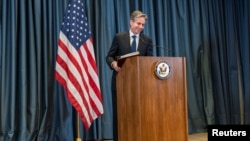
76, 68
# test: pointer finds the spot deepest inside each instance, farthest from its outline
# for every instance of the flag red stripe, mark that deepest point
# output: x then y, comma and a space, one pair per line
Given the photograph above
72, 99
92, 82
71, 76
85, 83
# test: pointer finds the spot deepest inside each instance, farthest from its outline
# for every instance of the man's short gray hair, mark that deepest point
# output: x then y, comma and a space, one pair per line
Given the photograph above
137, 14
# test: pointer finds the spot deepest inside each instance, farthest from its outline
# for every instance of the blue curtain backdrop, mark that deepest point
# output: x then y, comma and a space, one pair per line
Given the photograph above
213, 35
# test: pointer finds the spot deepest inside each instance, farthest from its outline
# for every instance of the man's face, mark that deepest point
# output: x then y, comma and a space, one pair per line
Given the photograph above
137, 25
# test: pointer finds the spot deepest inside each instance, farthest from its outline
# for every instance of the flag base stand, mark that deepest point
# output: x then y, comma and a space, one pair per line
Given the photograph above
78, 139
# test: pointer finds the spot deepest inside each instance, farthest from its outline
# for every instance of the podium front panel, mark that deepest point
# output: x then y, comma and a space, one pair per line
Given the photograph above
149, 108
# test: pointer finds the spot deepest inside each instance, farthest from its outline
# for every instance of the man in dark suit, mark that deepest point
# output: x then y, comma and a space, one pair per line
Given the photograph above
121, 45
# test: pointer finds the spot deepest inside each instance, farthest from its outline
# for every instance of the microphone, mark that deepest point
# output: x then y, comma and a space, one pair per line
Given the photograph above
154, 45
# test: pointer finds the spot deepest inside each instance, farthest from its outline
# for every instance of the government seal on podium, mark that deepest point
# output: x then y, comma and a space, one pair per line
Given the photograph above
162, 70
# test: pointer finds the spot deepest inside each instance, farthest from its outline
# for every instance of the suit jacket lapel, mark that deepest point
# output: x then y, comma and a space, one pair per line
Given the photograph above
127, 40
140, 41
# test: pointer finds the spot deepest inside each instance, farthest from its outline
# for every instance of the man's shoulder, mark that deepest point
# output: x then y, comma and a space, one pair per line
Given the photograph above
145, 37
122, 34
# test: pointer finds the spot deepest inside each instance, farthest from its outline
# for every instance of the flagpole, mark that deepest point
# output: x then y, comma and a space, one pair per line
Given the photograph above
78, 129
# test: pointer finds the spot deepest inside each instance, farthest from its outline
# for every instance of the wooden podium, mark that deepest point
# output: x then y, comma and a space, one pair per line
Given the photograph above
149, 108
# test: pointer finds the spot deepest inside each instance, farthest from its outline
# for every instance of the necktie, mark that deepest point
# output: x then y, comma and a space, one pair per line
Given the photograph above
133, 45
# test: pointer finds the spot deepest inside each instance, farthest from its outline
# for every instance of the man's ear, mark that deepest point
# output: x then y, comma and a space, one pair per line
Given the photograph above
131, 22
